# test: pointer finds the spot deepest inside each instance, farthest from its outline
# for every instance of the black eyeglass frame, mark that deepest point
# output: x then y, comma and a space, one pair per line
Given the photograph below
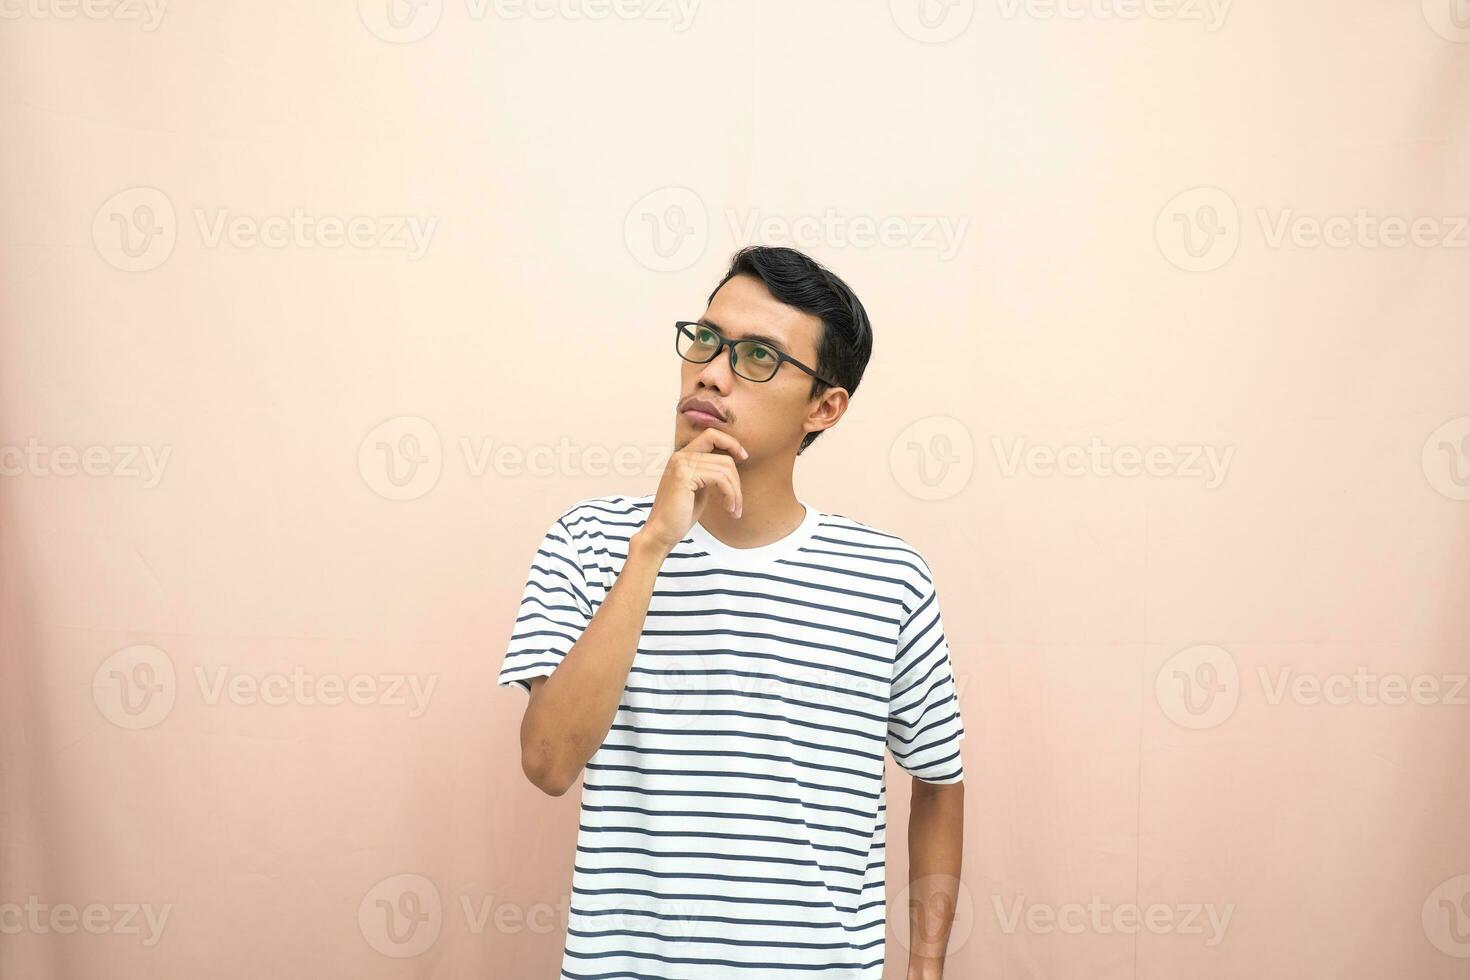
781, 356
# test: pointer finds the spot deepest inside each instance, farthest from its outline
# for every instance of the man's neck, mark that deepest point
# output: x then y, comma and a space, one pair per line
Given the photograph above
769, 511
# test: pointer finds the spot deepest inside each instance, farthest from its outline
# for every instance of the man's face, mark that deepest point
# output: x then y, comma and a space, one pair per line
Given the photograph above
767, 417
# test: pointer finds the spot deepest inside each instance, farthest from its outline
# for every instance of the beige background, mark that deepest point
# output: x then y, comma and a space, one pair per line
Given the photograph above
248, 474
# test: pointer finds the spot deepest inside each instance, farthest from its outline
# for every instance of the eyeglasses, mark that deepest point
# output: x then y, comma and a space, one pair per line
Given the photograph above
753, 360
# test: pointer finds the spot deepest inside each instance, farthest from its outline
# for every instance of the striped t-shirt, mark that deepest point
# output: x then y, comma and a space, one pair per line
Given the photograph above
733, 821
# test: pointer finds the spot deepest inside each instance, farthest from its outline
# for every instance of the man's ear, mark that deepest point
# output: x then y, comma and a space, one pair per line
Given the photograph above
828, 409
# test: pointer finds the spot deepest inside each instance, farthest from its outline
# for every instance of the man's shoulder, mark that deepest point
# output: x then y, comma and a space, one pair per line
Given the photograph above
616, 512
879, 543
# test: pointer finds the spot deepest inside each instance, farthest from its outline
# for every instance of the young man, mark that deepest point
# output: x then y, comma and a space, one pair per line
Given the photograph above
726, 665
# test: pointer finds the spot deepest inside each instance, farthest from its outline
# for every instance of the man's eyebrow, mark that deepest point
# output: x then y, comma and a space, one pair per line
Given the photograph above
764, 338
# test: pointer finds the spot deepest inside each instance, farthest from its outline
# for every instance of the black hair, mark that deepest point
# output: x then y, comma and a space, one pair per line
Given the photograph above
798, 280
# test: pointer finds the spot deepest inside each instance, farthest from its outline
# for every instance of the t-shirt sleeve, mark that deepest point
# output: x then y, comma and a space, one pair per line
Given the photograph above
554, 610
924, 723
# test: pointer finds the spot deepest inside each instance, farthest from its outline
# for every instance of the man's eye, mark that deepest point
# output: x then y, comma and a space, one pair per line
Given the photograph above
705, 337
759, 353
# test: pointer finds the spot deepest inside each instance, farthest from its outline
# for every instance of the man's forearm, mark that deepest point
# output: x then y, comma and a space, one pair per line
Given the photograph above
570, 714
936, 851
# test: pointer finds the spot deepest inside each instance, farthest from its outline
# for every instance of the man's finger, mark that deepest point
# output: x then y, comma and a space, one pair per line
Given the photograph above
711, 439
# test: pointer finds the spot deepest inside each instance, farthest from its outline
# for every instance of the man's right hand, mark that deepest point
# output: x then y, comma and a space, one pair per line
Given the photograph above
571, 710
703, 468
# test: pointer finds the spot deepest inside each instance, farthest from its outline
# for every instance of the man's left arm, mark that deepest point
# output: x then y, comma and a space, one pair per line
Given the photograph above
936, 848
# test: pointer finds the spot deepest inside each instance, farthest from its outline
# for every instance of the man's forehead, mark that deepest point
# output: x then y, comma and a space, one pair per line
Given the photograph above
750, 312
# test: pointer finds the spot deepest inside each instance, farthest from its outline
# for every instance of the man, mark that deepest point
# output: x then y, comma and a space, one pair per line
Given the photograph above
726, 664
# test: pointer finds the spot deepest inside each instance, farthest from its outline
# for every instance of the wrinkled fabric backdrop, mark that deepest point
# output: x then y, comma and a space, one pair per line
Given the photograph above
315, 315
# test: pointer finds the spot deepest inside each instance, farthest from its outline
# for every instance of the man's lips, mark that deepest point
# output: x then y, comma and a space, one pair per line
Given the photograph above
702, 411
702, 418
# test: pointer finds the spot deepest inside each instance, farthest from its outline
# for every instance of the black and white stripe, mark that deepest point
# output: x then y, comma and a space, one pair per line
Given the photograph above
733, 821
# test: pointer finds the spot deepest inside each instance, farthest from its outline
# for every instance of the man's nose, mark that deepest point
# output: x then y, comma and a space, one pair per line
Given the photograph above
716, 373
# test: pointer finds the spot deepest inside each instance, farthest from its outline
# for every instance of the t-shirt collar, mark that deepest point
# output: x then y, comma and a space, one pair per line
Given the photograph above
781, 548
